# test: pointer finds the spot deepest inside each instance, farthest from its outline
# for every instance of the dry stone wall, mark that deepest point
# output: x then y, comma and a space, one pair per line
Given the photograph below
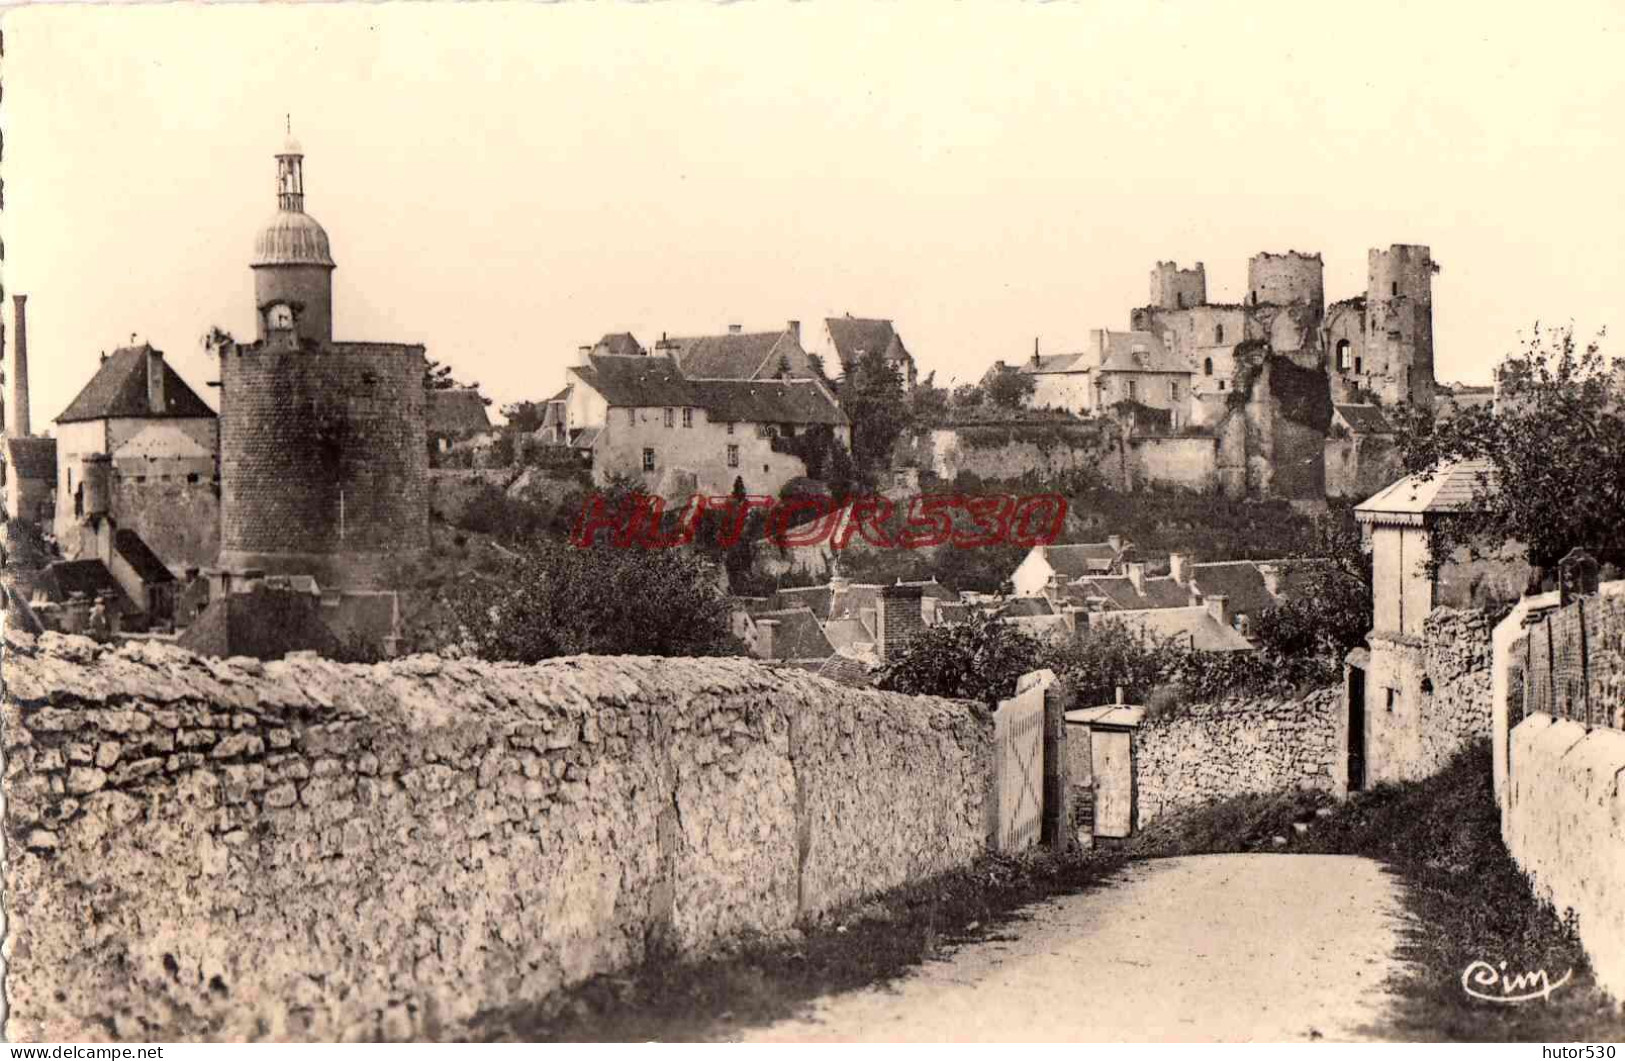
1235, 747
206, 849
1456, 702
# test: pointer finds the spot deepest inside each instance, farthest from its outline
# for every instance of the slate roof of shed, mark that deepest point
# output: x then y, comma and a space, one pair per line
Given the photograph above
32, 458
119, 389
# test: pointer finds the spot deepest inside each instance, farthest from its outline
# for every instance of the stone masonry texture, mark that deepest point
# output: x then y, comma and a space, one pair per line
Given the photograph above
305, 850
1234, 747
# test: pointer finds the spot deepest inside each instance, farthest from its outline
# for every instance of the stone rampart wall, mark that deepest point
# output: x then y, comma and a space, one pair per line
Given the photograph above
198, 849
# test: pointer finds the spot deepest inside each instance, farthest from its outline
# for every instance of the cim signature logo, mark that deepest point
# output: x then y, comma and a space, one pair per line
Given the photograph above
1492, 983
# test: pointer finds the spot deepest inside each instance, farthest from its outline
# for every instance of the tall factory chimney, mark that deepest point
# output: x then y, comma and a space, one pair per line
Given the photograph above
17, 423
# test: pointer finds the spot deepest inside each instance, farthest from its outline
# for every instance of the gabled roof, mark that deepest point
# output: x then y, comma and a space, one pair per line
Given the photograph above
1084, 558
563, 395
1451, 488
645, 382
265, 623
1194, 626
815, 597
1363, 419
32, 458
855, 336
457, 411
801, 401
119, 389
1240, 582
1018, 607
850, 600
847, 634
619, 343
1132, 352
738, 355
798, 635
64, 578
1120, 594
142, 560
1055, 363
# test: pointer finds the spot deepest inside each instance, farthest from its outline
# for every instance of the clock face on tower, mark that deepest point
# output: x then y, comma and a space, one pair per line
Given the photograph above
280, 317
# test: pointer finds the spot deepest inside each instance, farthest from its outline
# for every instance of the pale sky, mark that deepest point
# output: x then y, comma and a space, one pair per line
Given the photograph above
504, 182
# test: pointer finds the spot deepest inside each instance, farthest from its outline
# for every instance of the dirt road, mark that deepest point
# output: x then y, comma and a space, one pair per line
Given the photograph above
1229, 948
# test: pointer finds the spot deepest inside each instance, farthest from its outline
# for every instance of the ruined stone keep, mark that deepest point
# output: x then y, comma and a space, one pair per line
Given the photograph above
324, 468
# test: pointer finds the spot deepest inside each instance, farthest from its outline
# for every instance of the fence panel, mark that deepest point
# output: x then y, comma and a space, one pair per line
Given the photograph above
1571, 664
1018, 769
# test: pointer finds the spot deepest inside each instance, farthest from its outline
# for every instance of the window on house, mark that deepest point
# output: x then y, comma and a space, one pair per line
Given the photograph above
733, 456
1356, 366
1179, 300
764, 468
1133, 390
1345, 354
631, 416
1221, 384
648, 460
1207, 366
1173, 419
192, 478
1173, 390
1393, 698
671, 419
730, 427
1218, 333
688, 417
1393, 289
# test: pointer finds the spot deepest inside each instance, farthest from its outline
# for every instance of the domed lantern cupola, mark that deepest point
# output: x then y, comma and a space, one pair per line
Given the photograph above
293, 263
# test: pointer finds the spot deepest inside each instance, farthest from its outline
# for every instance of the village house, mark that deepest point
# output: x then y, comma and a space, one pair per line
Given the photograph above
1387, 686
644, 417
737, 354
849, 338
785, 634
1205, 627
1114, 367
456, 414
1045, 564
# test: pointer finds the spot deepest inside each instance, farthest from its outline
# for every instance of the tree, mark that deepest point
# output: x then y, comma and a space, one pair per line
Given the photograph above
437, 377
556, 599
978, 660
929, 403
524, 417
872, 396
1007, 387
1555, 445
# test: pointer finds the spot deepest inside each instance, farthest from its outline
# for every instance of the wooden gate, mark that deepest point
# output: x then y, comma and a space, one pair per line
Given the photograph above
1113, 767
1018, 764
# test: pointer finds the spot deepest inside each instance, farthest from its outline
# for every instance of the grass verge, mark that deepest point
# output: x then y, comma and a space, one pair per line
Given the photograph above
760, 981
1466, 899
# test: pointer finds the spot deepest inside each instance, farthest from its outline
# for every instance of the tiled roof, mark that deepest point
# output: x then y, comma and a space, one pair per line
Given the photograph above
1055, 363
847, 670
766, 401
1086, 558
815, 597
119, 389
264, 623
1133, 352
619, 343
586, 437
1364, 419
1194, 626
653, 382
953, 612
1120, 593
855, 336
161, 441
853, 599
457, 411
1239, 581
142, 560
1451, 488
1016, 607
848, 633
32, 458
931, 588
739, 355
1043, 627
798, 635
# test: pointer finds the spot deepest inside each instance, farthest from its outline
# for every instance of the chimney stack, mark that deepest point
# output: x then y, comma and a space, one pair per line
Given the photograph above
1035, 350
1272, 579
1218, 606
1119, 697
897, 618
735, 329
155, 381
18, 421
1136, 578
1179, 567
794, 328
765, 631
1115, 541
584, 356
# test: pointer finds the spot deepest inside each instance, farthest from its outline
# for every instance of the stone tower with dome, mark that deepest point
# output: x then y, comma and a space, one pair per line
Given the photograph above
323, 443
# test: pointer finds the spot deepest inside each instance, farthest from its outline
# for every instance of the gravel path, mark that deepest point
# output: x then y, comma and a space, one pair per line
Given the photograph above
1229, 948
